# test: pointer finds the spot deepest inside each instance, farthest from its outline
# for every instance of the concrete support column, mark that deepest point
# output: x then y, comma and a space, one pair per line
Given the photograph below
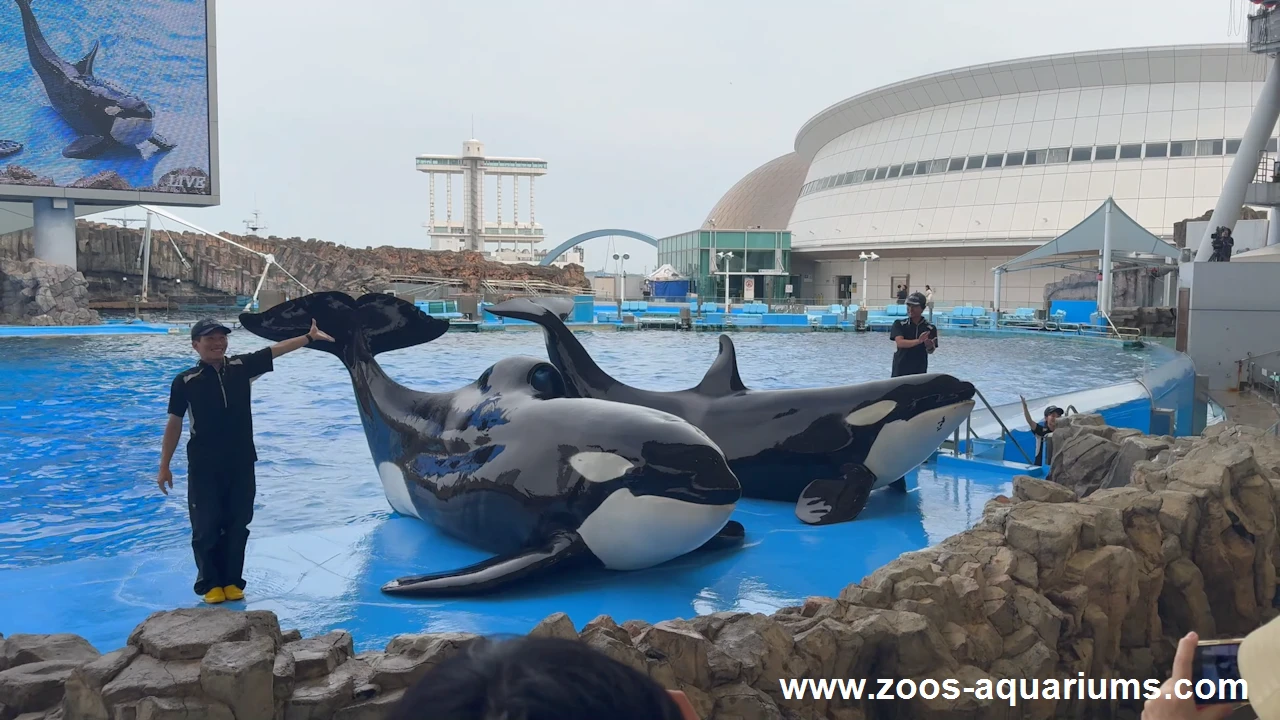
55, 230
1104, 264
1273, 226
1245, 165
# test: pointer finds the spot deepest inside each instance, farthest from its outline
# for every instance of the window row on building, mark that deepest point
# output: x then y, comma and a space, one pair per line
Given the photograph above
1050, 156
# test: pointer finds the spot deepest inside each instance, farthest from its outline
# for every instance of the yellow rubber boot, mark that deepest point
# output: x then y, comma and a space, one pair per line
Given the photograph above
215, 596
233, 593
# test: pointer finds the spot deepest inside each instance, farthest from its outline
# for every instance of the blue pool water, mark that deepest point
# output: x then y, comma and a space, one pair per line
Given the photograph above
80, 426
153, 49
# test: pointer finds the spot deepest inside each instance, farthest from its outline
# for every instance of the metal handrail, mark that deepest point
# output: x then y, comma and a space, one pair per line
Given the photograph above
969, 434
1251, 356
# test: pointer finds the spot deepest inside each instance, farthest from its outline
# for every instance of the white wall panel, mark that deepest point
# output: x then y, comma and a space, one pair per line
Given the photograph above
1198, 96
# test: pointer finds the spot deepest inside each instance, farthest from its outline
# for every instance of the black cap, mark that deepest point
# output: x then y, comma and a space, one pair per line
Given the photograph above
916, 298
1053, 410
206, 326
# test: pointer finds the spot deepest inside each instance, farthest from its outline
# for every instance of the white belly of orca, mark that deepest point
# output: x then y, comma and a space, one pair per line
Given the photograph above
903, 444
629, 532
397, 490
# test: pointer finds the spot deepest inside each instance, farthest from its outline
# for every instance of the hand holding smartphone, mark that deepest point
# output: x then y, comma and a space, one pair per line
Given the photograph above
1217, 661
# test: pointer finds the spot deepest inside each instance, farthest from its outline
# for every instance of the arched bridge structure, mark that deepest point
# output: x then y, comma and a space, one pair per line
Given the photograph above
592, 235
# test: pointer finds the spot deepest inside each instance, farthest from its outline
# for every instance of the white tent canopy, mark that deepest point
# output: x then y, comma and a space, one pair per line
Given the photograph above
1086, 238
666, 272
1098, 241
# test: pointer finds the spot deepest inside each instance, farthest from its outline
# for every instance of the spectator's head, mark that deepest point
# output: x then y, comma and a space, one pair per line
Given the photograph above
915, 305
537, 679
1051, 415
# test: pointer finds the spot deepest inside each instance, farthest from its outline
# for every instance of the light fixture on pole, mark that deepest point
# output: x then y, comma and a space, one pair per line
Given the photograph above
865, 258
725, 255
620, 268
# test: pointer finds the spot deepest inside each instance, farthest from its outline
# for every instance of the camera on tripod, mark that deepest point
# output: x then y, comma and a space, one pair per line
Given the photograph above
1222, 244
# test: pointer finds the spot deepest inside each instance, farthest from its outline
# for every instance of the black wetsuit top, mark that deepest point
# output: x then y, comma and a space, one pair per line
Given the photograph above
913, 360
219, 403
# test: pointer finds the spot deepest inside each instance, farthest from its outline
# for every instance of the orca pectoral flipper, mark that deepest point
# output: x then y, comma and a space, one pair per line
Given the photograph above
732, 535
826, 502
562, 549
161, 142
89, 146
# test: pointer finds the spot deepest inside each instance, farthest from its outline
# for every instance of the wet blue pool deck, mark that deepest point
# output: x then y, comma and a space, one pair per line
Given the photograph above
320, 581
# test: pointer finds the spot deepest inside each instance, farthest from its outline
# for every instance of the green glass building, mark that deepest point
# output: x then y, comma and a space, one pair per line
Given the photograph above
757, 263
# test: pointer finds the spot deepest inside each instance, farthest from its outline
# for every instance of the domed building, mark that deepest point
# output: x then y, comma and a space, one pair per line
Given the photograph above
946, 176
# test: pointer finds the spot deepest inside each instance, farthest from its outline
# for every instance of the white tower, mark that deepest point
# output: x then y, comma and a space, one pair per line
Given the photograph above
475, 232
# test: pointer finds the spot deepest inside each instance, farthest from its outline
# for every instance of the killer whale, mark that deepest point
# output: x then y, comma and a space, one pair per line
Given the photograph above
825, 449
510, 463
102, 113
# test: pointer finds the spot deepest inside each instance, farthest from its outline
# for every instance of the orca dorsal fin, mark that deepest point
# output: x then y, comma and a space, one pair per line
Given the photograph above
85, 66
722, 377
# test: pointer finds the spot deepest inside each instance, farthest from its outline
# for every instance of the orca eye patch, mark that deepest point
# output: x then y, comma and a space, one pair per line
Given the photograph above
598, 466
871, 414
546, 381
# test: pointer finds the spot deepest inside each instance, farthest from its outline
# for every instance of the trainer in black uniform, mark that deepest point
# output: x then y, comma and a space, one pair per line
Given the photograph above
915, 338
220, 452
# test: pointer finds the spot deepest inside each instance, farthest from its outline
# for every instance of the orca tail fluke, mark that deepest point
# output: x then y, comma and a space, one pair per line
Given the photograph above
563, 549
380, 322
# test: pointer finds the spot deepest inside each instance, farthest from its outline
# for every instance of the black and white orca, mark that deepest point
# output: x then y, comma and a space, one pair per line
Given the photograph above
512, 463
825, 449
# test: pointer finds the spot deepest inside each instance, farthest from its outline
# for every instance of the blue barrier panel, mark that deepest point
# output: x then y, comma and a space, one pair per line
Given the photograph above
583, 308
784, 319
1077, 311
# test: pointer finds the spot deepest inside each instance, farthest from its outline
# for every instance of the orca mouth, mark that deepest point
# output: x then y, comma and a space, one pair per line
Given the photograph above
696, 474
938, 396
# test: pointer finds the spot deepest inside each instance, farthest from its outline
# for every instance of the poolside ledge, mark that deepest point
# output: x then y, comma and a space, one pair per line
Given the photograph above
1170, 535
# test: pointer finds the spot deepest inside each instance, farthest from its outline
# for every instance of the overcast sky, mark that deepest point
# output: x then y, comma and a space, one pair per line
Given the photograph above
647, 112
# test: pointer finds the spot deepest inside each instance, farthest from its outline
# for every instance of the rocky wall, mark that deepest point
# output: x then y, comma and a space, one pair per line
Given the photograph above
1129, 288
34, 292
1170, 535
214, 265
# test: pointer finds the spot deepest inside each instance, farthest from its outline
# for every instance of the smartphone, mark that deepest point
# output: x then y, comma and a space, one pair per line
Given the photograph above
1218, 662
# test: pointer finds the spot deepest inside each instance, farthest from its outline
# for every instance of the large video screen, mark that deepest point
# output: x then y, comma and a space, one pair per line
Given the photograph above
105, 95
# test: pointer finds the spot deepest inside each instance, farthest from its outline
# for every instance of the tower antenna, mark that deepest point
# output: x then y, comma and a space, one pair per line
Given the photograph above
254, 224
125, 221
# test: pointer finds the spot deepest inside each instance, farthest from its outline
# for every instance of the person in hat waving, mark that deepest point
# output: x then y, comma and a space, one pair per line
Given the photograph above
915, 338
1042, 431
220, 452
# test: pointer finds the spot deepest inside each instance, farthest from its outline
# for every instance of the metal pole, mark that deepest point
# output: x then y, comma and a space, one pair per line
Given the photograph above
146, 257
1104, 285
864, 284
999, 272
1245, 166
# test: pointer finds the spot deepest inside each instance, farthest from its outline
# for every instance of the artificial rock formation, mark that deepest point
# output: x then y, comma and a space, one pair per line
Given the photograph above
1045, 587
108, 257
34, 292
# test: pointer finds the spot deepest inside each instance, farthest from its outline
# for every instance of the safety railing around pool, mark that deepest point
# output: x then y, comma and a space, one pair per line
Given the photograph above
970, 434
